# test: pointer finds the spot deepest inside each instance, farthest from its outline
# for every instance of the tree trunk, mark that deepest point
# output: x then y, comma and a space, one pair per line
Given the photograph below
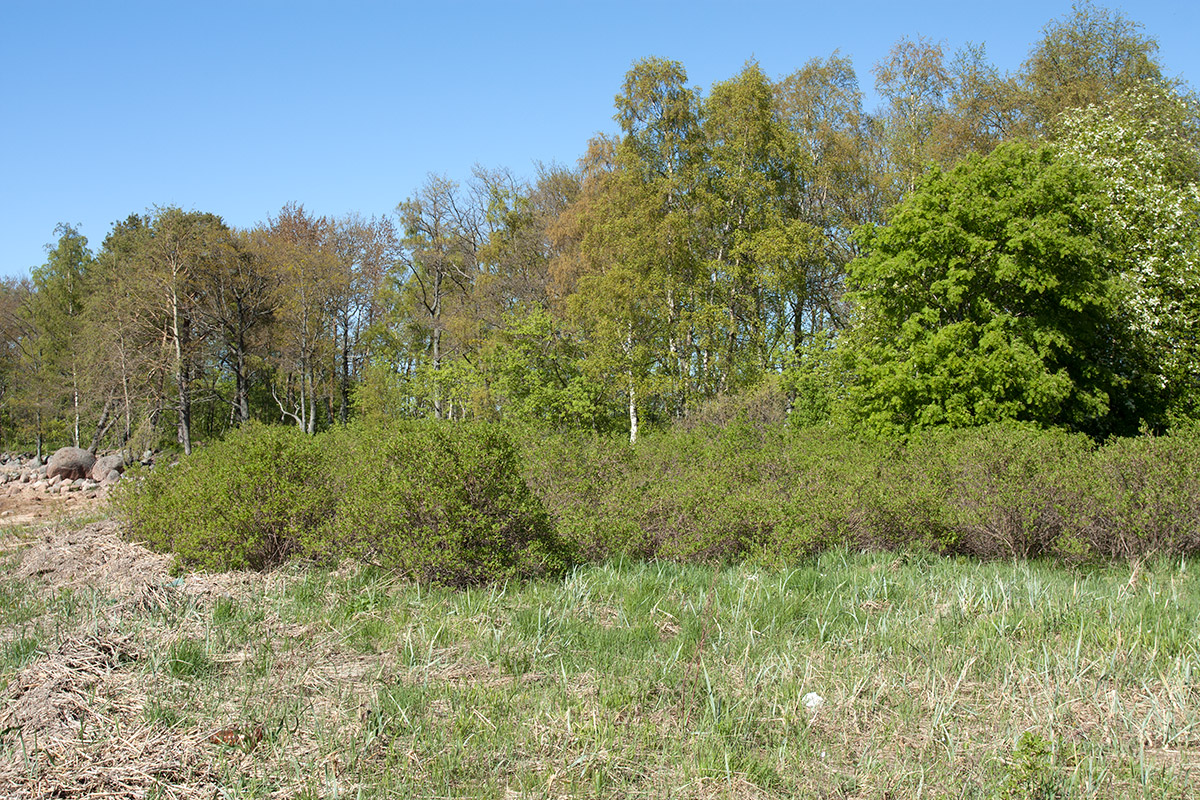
436, 345
241, 401
311, 425
75, 402
633, 415
182, 376
344, 411
102, 426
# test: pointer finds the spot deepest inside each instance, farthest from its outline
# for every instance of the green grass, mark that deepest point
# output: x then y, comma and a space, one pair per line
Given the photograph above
940, 678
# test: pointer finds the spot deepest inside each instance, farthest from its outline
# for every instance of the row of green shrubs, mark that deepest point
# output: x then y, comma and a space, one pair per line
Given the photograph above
442, 503
466, 503
772, 492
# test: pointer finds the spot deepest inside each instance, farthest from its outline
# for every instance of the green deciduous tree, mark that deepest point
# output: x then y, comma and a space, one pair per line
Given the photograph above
126, 332
983, 107
238, 295
61, 287
618, 302
28, 400
822, 104
536, 373
755, 174
635, 267
1089, 57
989, 296
367, 250
444, 228
302, 254
178, 248
914, 82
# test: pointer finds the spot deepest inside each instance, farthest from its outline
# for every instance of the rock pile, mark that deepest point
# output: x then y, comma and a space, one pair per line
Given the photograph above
70, 469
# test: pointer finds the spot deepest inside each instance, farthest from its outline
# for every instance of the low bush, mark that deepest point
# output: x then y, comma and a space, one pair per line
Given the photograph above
1004, 490
439, 502
589, 486
701, 493
1141, 497
242, 503
748, 489
461, 503
442, 503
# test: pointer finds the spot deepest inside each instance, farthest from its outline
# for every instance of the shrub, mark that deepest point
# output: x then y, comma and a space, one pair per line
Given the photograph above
748, 489
1005, 487
457, 504
1142, 497
440, 502
709, 493
830, 490
697, 494
588, 484
763, 406
241, 503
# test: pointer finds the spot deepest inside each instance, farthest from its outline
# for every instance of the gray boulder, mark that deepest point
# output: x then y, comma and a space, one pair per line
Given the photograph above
70, 463
107, 464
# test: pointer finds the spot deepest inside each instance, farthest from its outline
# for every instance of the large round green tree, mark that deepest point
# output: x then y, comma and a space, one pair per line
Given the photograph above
988, 296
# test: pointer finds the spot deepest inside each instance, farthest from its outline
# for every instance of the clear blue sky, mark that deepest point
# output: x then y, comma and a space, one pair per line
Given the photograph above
236, 108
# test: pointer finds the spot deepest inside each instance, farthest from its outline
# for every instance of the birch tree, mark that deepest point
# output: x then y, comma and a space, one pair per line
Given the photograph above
366, 252
178, 246
301, 251
60, 293
1088, 57
239, 294
444, 228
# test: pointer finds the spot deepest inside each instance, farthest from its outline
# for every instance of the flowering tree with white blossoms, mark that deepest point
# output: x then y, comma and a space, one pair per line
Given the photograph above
1145, 152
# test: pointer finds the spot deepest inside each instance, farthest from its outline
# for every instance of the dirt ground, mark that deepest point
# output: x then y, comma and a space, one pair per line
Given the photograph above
24, 506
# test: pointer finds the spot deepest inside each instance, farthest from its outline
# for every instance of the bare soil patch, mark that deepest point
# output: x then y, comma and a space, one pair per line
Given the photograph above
21, 504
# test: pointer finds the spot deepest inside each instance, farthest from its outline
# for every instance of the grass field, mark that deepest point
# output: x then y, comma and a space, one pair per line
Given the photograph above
852, 675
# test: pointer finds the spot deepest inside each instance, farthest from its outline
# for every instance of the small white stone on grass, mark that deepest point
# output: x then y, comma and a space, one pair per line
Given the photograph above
813, 701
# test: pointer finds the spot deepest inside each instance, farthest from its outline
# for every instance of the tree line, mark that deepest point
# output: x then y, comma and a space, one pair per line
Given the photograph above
984, 246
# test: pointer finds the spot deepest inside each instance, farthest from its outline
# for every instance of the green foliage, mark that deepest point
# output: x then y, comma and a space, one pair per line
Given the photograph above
771, 492
1086, 58
707, 493
460, 504
384, 394
1142, 498
1001, 490
538, 378
987, 297
1144, 152
241, 503
1031, 775
816, 380
443, 503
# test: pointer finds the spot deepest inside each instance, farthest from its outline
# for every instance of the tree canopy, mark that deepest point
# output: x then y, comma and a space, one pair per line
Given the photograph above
989, 296
983, 246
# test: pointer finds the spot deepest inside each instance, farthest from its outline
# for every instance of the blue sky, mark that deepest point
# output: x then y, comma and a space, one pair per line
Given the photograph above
240, 107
